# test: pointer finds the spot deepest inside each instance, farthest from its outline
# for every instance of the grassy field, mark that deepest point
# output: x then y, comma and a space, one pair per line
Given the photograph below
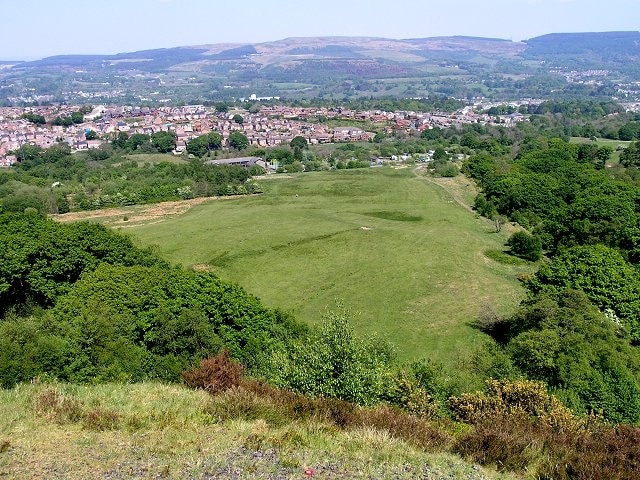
391, 246
158, 431
602, 142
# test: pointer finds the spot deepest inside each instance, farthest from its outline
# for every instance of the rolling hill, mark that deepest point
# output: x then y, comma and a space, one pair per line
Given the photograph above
407, 52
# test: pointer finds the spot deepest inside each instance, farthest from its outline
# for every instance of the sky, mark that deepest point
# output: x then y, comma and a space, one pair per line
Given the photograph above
31, 29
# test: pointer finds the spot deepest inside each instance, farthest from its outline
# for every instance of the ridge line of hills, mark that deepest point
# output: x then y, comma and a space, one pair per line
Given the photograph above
363, 47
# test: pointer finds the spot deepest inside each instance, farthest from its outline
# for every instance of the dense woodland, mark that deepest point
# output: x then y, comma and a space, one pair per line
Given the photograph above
81, 303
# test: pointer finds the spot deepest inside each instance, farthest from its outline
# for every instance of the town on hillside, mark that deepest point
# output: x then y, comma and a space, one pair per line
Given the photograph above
270, 126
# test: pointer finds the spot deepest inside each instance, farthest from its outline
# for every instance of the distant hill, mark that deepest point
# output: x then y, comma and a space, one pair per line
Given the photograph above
603, 45
610, 50
452, 66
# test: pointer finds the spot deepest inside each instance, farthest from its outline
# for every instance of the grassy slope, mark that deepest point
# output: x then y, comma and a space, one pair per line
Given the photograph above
604, 142
167, 432
390, 245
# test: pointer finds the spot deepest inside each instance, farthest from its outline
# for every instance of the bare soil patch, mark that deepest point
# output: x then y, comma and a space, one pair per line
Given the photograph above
135, 214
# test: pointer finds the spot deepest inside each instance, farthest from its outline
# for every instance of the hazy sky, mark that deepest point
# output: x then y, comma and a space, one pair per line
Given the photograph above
37, 28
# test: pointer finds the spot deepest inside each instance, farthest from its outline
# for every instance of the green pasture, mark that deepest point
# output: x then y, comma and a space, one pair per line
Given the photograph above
387, 244
601, 142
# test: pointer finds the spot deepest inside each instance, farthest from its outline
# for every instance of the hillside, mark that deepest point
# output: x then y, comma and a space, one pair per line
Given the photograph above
327, 67
299, 49
391, 246
304, 49
167, 431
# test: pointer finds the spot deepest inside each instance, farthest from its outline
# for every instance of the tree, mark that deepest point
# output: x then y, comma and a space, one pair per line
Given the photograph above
602, 274
238, 119
525, 246
214, 141
90, 135
238, 140
431, 133
630, 156
28, 153
203, 144
629, 131
197, 146
135, 141
334, 362
498, 221
440, 154
163, 142
602, 156
47, 257
34, 118
562, 339
299, 142
77, 117
120, 140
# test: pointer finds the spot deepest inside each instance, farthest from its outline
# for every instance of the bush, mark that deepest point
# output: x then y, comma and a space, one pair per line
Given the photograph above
446, 169
509, 443
523, 398
603, 452
525, 246
333, 362
215, 374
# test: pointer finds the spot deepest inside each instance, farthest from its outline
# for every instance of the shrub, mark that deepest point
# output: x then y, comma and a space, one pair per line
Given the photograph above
604, 452
333, 362
406, 392
446, 169
508, 442
525, 246
523, 398
215, 374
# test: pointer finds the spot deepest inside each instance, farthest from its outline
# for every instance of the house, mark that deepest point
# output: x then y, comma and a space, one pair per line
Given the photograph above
245, 162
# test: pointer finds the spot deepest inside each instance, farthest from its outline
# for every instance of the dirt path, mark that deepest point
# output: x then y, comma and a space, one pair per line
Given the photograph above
458, 187
462, 190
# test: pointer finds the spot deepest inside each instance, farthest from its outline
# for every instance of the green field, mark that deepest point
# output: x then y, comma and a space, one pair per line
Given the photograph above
387, 244
602, 142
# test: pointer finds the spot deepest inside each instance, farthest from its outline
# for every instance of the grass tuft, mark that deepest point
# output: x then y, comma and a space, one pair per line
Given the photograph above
504, 258
63, 409
5, 445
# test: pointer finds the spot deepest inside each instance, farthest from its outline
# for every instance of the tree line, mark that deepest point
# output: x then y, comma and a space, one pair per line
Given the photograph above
54, 180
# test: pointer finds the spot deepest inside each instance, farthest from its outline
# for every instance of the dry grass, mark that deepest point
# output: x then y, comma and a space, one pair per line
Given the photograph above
135, 213
169, 432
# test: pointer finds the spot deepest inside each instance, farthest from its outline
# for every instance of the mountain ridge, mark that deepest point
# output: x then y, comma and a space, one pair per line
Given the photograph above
356, 41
